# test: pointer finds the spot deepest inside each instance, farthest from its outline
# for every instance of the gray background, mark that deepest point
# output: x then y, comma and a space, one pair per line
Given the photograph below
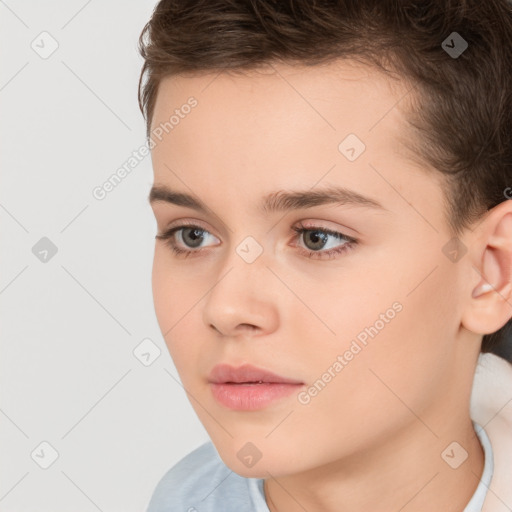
70, 321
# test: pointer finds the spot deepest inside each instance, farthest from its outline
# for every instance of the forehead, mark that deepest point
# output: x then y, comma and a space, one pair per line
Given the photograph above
281, 126
339, 96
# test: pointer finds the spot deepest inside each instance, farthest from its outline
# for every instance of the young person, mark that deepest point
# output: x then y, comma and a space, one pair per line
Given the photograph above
333, 259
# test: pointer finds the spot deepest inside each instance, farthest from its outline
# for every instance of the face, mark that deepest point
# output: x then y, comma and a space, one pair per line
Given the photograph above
360, 307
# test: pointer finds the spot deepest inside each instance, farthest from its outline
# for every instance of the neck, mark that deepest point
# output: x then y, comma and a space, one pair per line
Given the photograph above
406, 473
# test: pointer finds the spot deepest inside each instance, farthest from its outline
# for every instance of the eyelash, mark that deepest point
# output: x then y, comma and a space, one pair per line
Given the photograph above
168, 236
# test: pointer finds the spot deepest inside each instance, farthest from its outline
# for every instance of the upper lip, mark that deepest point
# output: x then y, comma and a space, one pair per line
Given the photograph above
223, 373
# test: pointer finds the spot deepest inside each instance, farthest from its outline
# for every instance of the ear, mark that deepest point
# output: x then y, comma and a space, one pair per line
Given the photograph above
490, 305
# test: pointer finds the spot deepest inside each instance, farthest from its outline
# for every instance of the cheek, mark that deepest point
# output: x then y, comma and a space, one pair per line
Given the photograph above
171, 298
175, 301
161, 283
175, 288
400, 325
409, 359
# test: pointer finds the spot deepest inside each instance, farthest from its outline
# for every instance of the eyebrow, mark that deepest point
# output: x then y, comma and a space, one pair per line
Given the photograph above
278, 201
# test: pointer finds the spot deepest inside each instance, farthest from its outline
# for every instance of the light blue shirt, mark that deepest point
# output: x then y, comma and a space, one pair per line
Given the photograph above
201, 482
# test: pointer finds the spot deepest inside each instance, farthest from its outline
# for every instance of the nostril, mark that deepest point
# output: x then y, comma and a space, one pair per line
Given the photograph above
248, 327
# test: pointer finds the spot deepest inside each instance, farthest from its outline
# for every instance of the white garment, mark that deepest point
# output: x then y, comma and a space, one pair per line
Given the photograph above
477, 500
491, 407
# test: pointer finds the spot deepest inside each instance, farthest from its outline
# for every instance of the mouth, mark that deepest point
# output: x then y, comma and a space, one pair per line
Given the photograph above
249, 388
246, 374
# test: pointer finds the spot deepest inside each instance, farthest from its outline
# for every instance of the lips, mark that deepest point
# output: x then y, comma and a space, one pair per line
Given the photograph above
246, 374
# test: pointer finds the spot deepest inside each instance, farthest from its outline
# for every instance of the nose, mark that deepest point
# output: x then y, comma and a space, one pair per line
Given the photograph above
243, 299
240, 328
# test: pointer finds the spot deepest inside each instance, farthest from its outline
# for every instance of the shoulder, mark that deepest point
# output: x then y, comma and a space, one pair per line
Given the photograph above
201, 481
492, 385
491, 397
491, 408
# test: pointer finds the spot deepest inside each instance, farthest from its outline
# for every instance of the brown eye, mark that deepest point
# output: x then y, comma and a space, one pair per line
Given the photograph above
192, 236
317, 239
185, 240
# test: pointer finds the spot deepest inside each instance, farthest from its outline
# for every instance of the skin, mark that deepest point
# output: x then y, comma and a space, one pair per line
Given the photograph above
372, 439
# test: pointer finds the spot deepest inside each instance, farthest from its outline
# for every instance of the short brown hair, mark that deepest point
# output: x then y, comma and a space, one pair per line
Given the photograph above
461, 107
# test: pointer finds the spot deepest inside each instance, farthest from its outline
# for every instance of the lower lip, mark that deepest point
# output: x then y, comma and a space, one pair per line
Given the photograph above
250, 397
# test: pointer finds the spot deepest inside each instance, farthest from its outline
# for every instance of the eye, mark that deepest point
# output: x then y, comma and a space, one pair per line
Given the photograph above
188, 234
317, 238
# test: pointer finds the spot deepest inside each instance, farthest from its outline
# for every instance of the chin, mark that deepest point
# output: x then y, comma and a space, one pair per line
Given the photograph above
263, 468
